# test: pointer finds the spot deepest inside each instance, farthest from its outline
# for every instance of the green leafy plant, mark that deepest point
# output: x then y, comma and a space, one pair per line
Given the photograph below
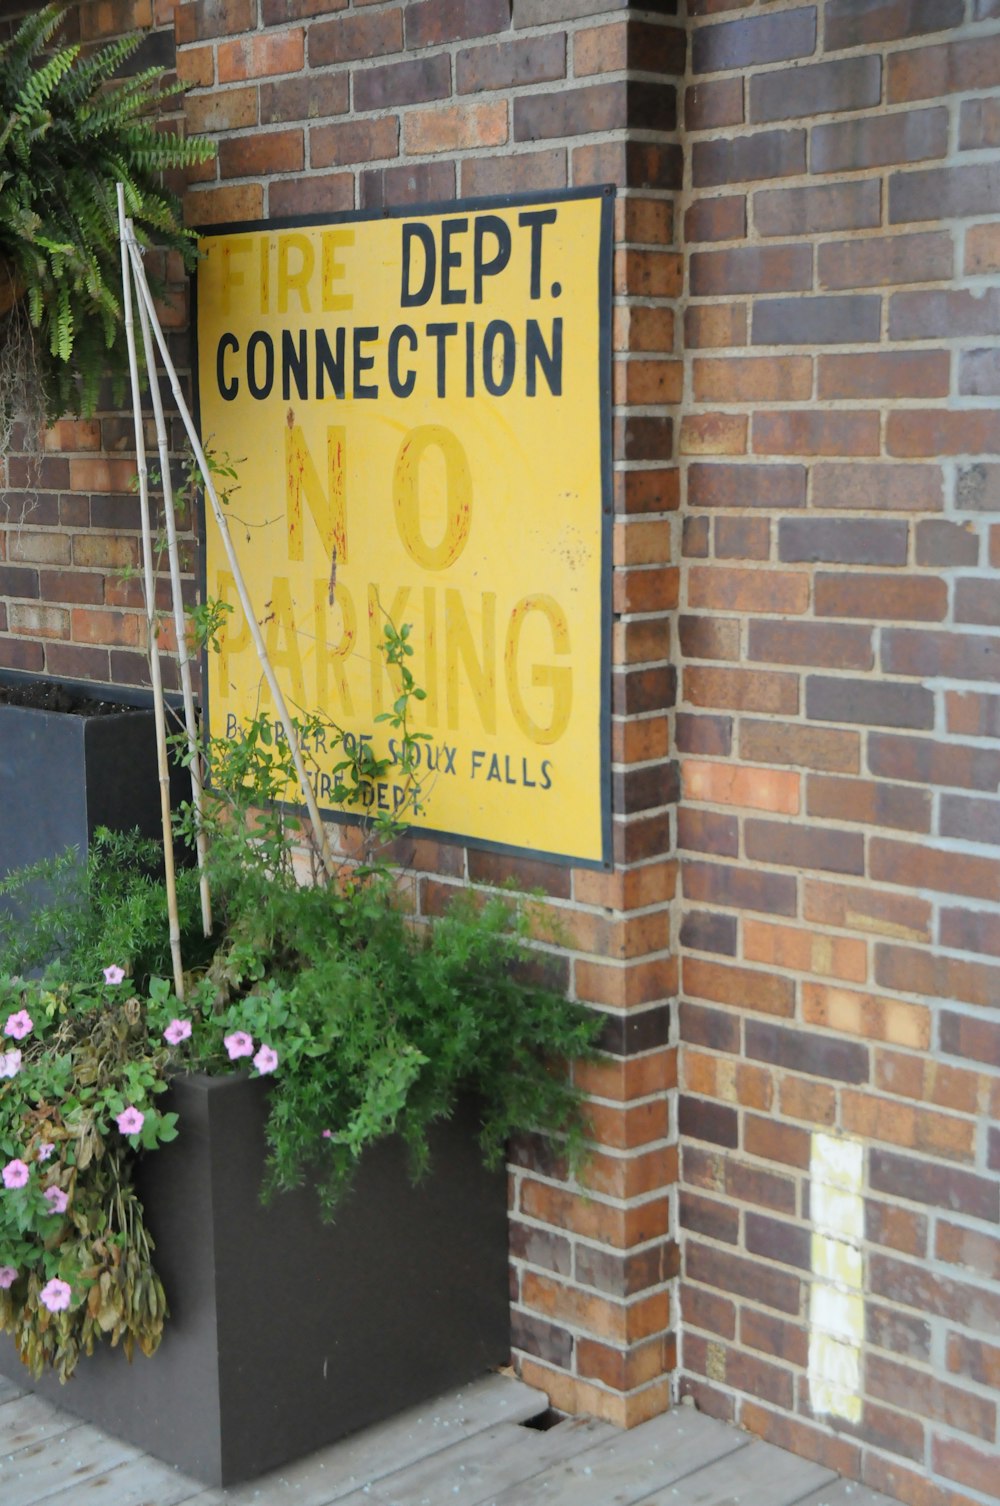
71, 129
364, 1021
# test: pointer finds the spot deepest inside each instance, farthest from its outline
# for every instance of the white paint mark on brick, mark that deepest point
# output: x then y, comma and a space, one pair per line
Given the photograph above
836, 1300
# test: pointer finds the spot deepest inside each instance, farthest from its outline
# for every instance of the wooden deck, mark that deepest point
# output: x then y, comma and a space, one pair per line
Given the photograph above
469, 1448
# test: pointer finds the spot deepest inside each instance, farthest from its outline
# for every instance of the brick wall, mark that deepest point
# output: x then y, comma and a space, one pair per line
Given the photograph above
837, 725
321, 106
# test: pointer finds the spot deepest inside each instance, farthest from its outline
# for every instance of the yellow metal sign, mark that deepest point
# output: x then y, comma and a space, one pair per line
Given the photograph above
417, 408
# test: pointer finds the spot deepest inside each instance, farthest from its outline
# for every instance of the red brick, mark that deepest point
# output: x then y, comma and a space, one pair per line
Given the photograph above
812, 643
451, 128
348, 38
741, 538
777, 486
771, 1140
944, 193
916, 652
261, 55
880, 597
716, 219
713, 434
888, 374
937, 314
792, 845
434, 21
741, 690
706, 831
868, 702
748, 988
809, 747
262, 154
354, 141
982, 249
748, 1278
715, 588
979, 124
751, 269
952, 67
910, 971
756, 379
742, 888
968, 1248
870, 802
801, 432
853, 23
746, 159
415, 81
925, 761
317, 193
716, 326
792, 950
514, 172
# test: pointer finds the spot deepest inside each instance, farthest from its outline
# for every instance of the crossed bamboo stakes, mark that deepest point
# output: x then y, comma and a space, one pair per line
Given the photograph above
134, 283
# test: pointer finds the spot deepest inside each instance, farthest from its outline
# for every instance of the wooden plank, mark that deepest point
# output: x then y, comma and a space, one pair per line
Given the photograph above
137, 1482
621, 1471
63, 1459
485, 1465
846, 1493
27, 1420
402, 1441
759, 1473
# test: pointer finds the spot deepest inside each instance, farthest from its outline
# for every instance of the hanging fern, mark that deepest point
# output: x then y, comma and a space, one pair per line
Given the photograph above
70, 130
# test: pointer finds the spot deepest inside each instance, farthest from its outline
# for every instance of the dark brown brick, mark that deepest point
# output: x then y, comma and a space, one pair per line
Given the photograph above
413, 82
791, 212
711, 105
311, 98
971, 930
857, 541
807, 1052
641, 164
760, 39
431, 22
853, 23
972, 820
836, 320
924, 761
949, 68
978, 1040
815, 431
787, 743
540, 1247
943, 315
704, 734
911, 971
20, 582
751, 269
740, 888
507, 65
704, 1310
972, 1358
977, 600
703, 931
743, 539
886, 260
869, 488
715, 1028
317, 193
695, 539
868, 703
416, 183
716, 219
979, 373
707, 831
701, 1119
879, 141
744, 159
747, 1278
816, 89
354, 141
868, 802
887, 1329
812, 643
741, 690
348, 38
772, 1335
973, 656
795, 846
979, 124
880, 597
936, 1184
514, 172
594, 107
977, 488
547, 1341
777, 486
941, 543
709, 637
944, 193
972, 714
790, 1244
277, 13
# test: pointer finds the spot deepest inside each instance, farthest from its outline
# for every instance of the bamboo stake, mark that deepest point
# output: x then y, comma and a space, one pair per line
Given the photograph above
150, 589
180, 625
316, 821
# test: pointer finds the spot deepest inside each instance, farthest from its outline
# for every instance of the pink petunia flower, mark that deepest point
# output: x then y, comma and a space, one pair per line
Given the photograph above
113, 974
45, 1150
10, 1063
8, 1276
19, 1025
177, 1031
328, 1134
266, 1060
57, 1199
56, 1295
15, 1174
130, 1120
238, 1044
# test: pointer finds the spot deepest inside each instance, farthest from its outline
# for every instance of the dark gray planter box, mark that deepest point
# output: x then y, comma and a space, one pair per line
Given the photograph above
63, 774
287, 1333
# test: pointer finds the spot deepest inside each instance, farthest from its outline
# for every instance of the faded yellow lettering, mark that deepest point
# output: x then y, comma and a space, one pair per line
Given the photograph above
334, 270
279, 623
234, 635
376, 637
480, 672
457, 498
330, 658
553, 678
295, 280
328, 506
